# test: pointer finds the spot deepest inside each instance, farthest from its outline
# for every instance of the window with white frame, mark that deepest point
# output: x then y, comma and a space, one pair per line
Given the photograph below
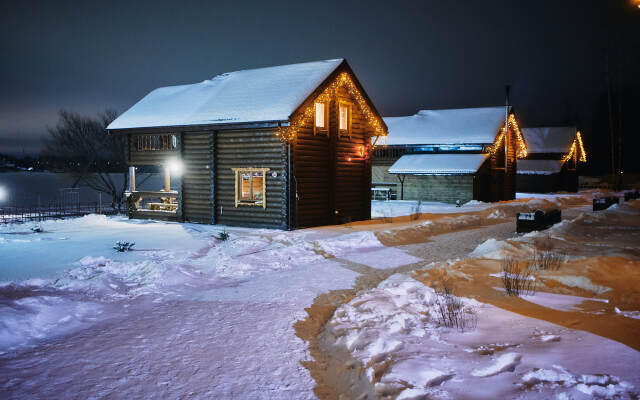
344, 118
321, 118
251, 186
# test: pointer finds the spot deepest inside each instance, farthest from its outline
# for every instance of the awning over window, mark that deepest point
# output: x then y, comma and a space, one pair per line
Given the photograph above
438, 164
539, 167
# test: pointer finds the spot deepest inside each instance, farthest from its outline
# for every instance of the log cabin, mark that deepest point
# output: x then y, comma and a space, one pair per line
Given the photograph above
451, 156
278, 147
552, 164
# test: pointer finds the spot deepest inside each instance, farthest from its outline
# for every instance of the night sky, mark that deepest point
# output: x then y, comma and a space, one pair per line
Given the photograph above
88, 56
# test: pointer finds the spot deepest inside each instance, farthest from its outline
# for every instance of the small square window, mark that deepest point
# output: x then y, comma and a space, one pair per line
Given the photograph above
344, 118
321, 118
250, 186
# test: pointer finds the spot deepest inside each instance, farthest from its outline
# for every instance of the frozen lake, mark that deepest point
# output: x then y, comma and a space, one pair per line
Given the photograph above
26, 189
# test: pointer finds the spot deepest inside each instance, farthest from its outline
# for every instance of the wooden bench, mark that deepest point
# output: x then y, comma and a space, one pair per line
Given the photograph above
163, 206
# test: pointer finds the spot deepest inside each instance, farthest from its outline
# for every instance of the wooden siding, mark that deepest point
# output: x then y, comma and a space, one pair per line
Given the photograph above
257, 148
197, 158
330, 176
503, 181
352, 198
148, 157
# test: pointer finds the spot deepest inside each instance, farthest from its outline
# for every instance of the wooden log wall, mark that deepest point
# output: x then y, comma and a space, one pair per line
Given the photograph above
148, 157
352, 199
197, 159
259, 148
312, 170
332, 179
503, 180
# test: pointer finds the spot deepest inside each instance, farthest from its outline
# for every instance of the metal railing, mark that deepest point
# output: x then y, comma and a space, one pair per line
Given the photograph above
18, 214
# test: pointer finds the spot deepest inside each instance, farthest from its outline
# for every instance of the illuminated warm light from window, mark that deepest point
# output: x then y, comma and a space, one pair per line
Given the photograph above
304, 115
344, 118
320, 113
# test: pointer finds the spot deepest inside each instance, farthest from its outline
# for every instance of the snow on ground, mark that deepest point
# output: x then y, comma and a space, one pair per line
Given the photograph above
182, 314
188, 315
365, 248
397, 208
393, 332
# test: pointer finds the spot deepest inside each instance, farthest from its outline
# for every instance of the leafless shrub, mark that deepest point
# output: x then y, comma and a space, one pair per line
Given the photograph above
518, 276
548, 260
451, 312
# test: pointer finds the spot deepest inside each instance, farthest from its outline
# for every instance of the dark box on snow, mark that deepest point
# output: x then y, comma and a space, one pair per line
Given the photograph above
602, 203
537, 220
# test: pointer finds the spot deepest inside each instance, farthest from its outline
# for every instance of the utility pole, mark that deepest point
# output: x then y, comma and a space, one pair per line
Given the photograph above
506, 141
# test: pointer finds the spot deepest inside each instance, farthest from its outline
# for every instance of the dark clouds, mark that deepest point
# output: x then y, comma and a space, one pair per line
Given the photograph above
87, 56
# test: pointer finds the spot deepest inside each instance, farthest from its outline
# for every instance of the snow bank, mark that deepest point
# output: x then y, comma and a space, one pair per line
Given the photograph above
494, 249
601, 386
365, 248
28, 313
390, 330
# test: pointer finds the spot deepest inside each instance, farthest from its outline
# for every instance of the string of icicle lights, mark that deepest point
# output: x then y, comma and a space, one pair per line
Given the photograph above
574, 146
305, 116
522, 146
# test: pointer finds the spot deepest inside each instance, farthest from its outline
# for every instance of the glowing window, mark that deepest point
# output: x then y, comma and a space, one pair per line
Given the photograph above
251, 185
321, 118
344, 118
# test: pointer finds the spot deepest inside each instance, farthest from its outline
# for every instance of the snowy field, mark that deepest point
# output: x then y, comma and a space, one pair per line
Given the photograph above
185, 315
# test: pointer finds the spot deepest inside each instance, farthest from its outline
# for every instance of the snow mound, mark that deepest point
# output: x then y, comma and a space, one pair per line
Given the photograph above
628, 314
347, 244
602, 385
581, 282
493, 249
505, 363
28, 314
416, 372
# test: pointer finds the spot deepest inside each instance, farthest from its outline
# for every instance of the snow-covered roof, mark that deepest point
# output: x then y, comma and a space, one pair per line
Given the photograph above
254, 95
438, 164
549, 139
454, 126
539, 167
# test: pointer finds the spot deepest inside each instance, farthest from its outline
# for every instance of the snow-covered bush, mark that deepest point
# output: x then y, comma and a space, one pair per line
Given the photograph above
518, 277
123, 246
451, 312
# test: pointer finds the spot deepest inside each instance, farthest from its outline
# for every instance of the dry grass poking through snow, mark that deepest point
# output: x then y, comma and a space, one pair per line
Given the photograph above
450, 311
548, 260
518, 276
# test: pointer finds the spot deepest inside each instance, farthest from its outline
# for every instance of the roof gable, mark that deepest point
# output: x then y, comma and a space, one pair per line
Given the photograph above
247, 96
550, 139
452, 126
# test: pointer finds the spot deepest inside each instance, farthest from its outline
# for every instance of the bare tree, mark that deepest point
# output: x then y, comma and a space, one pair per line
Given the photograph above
96, 155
